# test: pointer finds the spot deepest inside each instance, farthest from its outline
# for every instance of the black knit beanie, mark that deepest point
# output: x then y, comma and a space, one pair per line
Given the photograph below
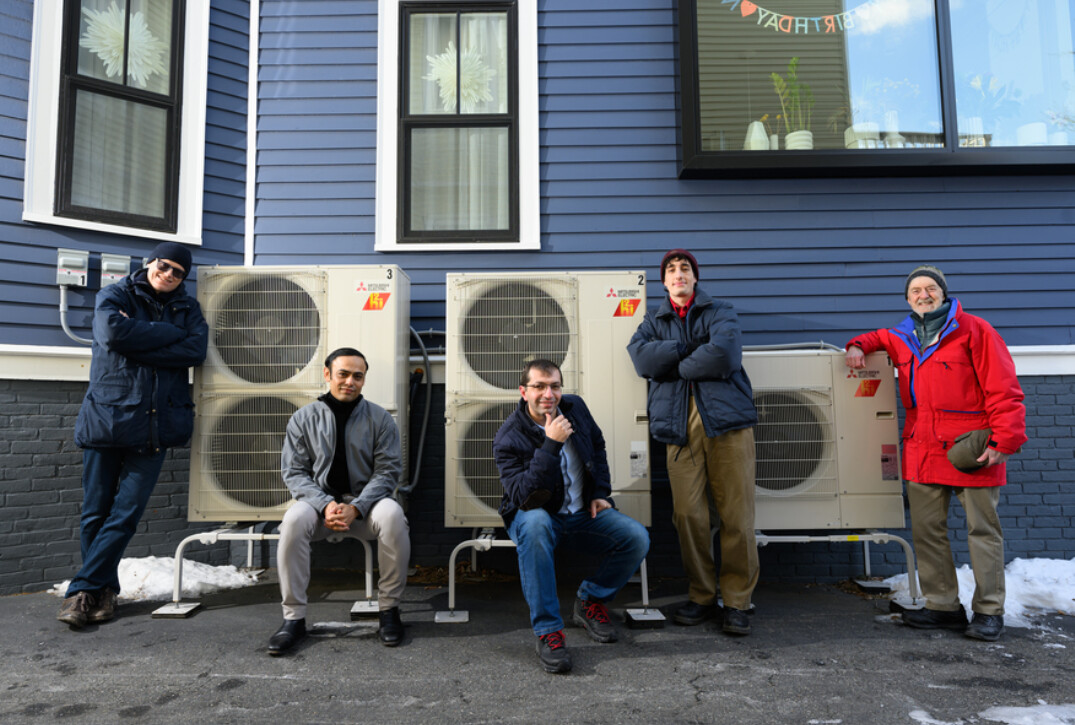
174, 251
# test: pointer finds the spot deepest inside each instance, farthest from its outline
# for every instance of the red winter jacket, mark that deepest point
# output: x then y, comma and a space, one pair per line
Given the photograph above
964, 381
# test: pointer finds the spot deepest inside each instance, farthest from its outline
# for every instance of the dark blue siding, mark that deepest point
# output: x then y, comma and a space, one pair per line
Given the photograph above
801, 259
29, 298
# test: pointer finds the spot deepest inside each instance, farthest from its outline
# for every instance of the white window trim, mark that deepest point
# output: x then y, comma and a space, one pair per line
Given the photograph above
42, 125
388, 141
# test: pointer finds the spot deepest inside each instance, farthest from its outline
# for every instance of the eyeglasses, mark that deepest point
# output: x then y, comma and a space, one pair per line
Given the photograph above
164, 268
542, 387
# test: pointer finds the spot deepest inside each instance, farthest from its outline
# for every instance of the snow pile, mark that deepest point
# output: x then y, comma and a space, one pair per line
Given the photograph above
1034, 587
153, 578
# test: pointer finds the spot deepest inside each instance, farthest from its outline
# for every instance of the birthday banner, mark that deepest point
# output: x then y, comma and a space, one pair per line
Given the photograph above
837, 23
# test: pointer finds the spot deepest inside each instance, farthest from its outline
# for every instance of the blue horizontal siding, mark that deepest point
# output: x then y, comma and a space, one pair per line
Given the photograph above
801, 259
29, 297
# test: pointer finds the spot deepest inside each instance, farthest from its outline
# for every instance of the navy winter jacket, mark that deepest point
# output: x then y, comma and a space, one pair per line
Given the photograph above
661, 350
139, 392
529, 461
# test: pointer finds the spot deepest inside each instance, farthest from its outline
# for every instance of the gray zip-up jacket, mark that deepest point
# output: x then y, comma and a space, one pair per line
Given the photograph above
373, 454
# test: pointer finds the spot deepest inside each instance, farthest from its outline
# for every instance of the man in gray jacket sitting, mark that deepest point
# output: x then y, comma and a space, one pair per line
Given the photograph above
342, 484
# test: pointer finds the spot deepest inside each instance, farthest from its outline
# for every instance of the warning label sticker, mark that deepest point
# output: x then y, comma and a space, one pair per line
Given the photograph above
626, 308
377, 301
867, 388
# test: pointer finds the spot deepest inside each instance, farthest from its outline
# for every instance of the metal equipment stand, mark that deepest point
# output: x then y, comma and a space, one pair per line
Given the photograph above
178, 609
877, 537
487, 540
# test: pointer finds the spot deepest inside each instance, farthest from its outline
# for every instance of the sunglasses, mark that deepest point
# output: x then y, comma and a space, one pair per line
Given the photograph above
164, 268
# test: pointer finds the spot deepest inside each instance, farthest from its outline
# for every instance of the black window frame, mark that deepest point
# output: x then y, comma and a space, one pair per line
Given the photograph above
695, 163
71, 83
407, 123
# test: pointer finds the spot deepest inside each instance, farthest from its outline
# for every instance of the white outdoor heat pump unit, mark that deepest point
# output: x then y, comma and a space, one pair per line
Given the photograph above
582, 321
827, 442
270, 329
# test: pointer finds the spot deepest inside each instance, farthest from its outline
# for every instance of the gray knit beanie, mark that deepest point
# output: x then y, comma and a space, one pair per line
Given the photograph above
926, 270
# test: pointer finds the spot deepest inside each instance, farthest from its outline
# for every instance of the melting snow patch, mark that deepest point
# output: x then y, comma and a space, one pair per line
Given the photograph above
1042, 714
152, 578
1034, 587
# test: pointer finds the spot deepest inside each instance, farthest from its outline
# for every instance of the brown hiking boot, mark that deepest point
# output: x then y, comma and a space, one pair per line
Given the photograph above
105, 607
75, 610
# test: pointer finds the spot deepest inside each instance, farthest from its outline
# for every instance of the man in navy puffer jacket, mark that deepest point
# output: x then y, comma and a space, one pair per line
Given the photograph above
147, 333
557, 489
701, 407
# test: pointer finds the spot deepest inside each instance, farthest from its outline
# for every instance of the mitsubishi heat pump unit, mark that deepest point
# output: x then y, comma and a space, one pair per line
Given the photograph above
270, 329
582, 321
827, 442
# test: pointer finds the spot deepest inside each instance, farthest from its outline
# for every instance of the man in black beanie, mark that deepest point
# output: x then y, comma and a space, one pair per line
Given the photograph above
147, 332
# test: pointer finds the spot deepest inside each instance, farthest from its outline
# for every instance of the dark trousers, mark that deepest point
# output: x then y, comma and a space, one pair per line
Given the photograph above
116, 484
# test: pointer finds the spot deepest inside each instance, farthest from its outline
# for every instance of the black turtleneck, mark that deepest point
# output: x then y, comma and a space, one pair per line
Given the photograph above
339, 478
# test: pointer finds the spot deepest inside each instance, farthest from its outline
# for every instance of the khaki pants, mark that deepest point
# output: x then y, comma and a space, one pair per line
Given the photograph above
936, 569
725, 467
302, 526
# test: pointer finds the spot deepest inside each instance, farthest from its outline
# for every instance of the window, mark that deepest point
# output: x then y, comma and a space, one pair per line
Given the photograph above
461, 169
859, 85
117, 117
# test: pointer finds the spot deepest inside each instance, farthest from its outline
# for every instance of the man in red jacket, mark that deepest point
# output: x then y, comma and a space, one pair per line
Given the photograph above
956, 376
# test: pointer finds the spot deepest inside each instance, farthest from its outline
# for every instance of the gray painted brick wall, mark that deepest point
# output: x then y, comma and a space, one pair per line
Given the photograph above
41, 491
41, 495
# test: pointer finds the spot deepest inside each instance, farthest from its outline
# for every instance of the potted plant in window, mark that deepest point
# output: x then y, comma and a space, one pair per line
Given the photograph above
796, 106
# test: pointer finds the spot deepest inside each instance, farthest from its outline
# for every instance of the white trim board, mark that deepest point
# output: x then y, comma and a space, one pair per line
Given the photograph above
35, 362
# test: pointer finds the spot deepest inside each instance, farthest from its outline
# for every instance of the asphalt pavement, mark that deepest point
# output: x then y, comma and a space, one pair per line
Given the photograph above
818, 654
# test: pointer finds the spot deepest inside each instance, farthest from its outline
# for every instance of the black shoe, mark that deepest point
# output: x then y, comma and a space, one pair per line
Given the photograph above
693, 613
736, 621
956, 620
985, 626
553, 653
291, 632
593, 617
391, 630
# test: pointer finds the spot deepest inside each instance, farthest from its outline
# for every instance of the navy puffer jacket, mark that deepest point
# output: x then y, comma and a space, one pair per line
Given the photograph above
143, 346
713, 372
529, 461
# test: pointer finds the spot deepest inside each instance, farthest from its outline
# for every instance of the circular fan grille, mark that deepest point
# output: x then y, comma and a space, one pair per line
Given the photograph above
244, 450
267, 329
510, 324
480, 475
790, 440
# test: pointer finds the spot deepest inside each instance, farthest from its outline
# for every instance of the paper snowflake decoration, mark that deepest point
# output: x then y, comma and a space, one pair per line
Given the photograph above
475, 74
104, 36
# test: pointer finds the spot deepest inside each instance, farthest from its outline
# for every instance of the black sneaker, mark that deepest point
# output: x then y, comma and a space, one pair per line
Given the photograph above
105, 607
956, 620
593, 617
76, 609
985, 626
736, 621
553, 653
693, 613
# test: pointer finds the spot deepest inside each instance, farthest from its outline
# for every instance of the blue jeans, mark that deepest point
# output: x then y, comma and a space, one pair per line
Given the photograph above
116, 484
621, 541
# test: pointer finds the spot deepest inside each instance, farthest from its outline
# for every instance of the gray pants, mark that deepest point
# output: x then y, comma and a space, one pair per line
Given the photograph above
985, 540
302, 526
